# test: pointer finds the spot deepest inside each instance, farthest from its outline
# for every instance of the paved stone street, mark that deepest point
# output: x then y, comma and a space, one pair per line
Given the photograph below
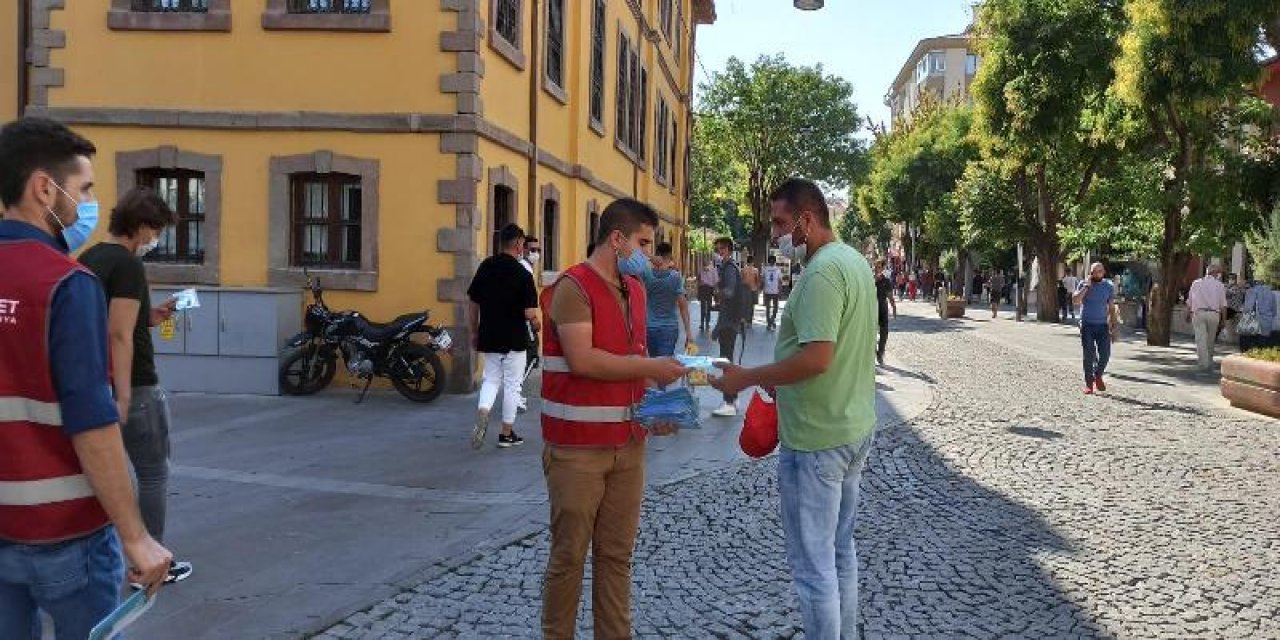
1012, 506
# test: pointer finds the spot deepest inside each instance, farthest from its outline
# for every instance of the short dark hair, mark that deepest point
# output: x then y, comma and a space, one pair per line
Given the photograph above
751, 259
626, 215
773, 259
140, 207
31, 144
799, 194
724, 242
528, 239
663, 249
510, 234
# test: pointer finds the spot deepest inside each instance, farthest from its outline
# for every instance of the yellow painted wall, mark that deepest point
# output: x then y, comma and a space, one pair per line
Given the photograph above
9, 29
408, 216
254, 69
505, 90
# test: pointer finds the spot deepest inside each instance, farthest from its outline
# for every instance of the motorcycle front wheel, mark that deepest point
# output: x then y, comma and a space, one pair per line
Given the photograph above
420, 377
305, 371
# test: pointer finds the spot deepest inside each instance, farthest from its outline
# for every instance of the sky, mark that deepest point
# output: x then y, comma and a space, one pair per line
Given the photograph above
863, 41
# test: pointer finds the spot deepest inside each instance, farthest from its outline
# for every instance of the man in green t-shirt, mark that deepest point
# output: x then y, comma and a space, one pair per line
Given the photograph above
824, 376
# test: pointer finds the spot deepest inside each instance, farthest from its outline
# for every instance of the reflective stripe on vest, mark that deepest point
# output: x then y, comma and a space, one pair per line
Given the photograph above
35, 492
25, 410
585, 413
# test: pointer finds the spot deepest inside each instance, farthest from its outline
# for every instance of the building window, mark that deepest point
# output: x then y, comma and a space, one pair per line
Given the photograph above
971, 64
506, 31
679, 29
671, 150
555, 50
191, 183
550, 211
623, 125
328, 15
184, 191
593, 225
325, 210
661, 130
664, 17
643, 114
504, 207
597, 65
169, 15
323, 214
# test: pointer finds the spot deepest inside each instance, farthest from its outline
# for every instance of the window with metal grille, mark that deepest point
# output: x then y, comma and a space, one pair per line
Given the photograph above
660, 131
183, 190
624, 91
643, 115
550, 211
555, 42
633, 103
507, 22
671, 149
679, 28
597, 64
326, 217
329, 6
176, 6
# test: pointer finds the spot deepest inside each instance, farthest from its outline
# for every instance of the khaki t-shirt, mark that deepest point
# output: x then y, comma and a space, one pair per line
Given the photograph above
569, 304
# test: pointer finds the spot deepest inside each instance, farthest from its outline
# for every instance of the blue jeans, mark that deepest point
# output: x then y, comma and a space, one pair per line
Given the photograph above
1096, 339
662, 341
819, 496
76, 582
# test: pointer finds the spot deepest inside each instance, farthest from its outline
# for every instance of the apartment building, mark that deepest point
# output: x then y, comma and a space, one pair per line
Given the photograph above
942, 67
378, 144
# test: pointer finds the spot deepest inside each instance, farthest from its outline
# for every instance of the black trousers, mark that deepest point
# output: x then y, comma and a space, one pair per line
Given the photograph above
705, 294
884, 333
727, 335
771, 309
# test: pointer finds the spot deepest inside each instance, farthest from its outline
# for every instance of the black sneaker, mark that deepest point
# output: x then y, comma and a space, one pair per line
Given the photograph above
178, 571
506, 441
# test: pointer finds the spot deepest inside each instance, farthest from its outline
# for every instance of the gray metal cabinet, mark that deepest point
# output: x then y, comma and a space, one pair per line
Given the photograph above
230, 344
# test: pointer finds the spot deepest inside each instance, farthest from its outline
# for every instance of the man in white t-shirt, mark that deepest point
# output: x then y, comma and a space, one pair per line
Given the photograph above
772, 276
532, 255
1071, 282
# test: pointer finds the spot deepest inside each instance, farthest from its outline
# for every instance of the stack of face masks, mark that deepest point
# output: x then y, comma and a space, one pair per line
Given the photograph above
675, 406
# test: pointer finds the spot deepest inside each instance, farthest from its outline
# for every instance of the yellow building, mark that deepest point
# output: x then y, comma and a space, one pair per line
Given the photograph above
378, 143
942, 67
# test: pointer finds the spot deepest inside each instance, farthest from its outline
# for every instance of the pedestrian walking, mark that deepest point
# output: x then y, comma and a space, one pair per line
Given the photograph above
1097, 298
708, 280
1206, 310
594, 371
1260, 304
137, 221
1072, 284
68, 506
1064, 301
531, 261
504, 304
824, 383
772, 290
751, 278
730, 292
884, 300
996, 285
668, 307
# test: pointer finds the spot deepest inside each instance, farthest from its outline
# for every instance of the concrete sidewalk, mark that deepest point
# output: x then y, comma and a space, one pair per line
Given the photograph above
299, 511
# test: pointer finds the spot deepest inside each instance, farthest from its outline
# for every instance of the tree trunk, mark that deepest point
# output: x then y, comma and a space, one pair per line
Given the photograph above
1048, 250
1160, 321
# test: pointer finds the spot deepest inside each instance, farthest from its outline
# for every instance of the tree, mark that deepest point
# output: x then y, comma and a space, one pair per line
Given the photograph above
777, 121
1045, 69
716, 179
1186, 67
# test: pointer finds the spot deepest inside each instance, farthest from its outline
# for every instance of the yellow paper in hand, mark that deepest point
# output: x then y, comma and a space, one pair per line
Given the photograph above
166, 329
691, 349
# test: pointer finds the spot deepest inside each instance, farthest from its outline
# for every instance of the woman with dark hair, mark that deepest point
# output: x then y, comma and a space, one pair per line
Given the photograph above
137, 222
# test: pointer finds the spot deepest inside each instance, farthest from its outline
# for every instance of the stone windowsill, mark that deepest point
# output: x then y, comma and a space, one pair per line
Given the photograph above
174, 273
330, 279
510, 52
376, 22
126, 20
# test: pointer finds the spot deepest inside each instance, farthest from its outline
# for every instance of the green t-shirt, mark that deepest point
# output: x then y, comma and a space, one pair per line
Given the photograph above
834, 301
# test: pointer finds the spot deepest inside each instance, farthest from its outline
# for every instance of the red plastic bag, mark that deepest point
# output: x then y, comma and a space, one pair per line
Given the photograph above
760, 427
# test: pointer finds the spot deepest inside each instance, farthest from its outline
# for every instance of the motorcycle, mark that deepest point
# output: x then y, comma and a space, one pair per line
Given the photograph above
309, 360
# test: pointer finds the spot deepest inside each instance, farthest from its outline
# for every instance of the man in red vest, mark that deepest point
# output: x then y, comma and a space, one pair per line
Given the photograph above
64, 477
594, 370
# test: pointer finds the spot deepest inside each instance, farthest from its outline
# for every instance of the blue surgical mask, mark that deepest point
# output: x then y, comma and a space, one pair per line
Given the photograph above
77, 235
636, 264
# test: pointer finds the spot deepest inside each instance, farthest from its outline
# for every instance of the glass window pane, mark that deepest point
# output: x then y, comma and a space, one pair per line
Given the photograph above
351, 244
351, 202
315, 201
195, 196
315, 243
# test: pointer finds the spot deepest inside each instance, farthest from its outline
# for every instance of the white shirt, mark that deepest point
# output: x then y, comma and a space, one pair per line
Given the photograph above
1071, 283
1207, 294
524, 262
772, 280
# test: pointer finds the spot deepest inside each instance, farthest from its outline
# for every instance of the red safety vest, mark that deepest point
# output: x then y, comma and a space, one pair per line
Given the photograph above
44, 495
584, 412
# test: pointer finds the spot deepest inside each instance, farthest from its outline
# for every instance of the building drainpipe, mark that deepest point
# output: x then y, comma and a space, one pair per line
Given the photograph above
24, 44
535, 78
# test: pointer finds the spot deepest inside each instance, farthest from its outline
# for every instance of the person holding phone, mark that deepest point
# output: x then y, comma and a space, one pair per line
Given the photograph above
137, 222
1097, 299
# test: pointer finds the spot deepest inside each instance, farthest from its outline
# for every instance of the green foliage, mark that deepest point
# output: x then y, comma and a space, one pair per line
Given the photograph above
716, 178
777, 120
1264, 248
990, 216
1270, 354
949, 263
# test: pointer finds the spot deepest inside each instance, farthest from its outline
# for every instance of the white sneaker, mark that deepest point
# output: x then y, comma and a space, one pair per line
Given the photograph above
727, 410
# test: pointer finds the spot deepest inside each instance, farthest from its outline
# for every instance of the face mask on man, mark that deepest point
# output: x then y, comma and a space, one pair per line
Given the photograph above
635, 264
144, 249
534, 256
788, 247
86, 221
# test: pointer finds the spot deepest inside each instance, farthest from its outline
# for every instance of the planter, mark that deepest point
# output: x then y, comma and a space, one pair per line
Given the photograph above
951, 308
1252, 384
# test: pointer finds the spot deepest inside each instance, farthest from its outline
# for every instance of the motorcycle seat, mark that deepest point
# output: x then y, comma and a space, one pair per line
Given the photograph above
377, 331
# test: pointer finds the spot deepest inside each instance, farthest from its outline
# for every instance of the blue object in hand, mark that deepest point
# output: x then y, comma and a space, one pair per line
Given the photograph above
675, 406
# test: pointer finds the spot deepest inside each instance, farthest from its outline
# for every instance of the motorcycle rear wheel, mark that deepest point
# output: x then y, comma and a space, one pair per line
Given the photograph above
305, 371
428, 385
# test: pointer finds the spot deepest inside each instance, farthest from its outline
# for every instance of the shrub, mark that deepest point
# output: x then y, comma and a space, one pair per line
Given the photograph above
1269, 354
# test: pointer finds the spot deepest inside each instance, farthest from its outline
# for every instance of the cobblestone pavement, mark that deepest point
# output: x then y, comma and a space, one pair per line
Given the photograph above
1014, 506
